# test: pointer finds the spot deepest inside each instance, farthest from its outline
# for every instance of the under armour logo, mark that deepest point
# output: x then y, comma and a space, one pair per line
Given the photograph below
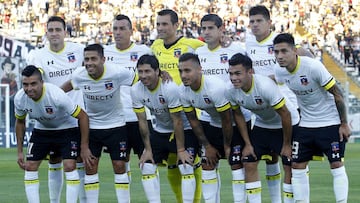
337, 155
110, 58
73, 153
203, 60
50, 62
236, 158
122, 154
252, 51
86, 87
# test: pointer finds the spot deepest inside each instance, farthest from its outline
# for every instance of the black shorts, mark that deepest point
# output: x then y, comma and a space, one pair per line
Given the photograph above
267, 142
215, 138
65, 143
308, 142
164, 143
134, 137
114, 139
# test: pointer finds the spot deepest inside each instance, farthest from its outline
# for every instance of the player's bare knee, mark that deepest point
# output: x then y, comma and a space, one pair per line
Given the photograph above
32, 165
186, 169
55, 160
119, 166
236, 166
300, 165
336, 164
148, 169
69, 165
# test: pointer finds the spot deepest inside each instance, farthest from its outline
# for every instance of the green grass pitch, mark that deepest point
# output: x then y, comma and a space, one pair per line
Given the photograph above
12, 185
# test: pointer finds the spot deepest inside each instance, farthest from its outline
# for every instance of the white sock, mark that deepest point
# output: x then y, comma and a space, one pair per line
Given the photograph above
128, 170
56, 181
253, 191
32, 184
209, 185
300, 185
273, 178
341, 184
238, 185
288, 193
81, 171
122, 188
218, 199
72, 186
151, 182
91, 184
188, 183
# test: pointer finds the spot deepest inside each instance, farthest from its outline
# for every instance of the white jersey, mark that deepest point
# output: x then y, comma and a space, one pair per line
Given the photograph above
126, 59
210, 97
102, 96
216, 62
264, 61
161, 101
310, 81
57, 67
263, 98
53, 111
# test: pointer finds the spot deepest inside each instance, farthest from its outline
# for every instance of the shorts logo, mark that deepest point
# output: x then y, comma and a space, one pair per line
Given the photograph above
134, 56
177, 53
161, 99
237, 149
335, 148
304, 80
236, 158
191, 151
71, 57
223, 58
73, 145
73, 153
49, 110
122, 146
109, 85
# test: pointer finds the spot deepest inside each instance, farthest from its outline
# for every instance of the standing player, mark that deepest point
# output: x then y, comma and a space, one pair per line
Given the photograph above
167, 50
323, 125
272, 130
52, 109
163, 101
57, 61
100, 85
208, 93
125, 54
259, 47
214, 61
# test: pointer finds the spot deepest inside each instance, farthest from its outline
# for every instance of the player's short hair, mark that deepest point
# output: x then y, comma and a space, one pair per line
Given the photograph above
190, 56
173, 15
260, 10
241, 59
95, 47
56, 19
149, 59
124, 17
284, 37
213, 18
31, 70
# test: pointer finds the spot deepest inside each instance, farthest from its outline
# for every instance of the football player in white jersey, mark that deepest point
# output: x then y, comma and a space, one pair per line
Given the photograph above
259, 47
217, 139
164, 103
54, 130
214, 61
272, 130
57, 61
323, 125
100, 85
125, 54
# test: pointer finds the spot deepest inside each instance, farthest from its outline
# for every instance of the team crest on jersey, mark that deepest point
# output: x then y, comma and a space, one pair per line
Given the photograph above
109, 85
271, 49
258, 100
71, 57
206, 99
177, 53
49, 110
304, 80
134, 56
161, 99
224, 58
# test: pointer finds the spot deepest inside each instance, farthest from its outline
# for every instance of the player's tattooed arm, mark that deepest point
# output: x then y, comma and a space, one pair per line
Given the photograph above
339, 101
